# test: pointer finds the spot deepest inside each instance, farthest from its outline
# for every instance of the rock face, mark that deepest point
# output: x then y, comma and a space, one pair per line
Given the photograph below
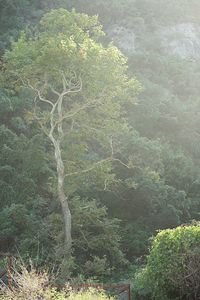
123, 37
181, 39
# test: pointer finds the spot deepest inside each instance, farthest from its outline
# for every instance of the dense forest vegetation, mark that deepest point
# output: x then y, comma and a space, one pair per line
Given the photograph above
154, 181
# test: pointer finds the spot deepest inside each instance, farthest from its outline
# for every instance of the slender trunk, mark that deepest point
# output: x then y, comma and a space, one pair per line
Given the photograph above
62, 197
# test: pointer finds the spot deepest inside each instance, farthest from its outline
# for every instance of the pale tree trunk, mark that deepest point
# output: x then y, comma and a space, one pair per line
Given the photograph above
62, 197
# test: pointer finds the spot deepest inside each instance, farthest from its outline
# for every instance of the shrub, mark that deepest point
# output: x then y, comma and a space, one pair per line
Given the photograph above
33, 285
91, 294
173, 266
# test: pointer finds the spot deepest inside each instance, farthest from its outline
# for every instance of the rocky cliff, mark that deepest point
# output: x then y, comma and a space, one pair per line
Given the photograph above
182, 39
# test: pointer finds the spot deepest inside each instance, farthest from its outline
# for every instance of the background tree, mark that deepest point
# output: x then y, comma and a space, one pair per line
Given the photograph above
20, 14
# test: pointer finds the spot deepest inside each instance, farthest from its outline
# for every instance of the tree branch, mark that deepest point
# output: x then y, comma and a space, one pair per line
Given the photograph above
108, 159
41, 98
89, 169
68, 87
54, 91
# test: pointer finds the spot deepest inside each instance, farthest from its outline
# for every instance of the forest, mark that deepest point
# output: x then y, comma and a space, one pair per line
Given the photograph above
100, 144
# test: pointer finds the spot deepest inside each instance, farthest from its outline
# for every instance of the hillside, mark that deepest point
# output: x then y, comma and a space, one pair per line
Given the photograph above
116, 209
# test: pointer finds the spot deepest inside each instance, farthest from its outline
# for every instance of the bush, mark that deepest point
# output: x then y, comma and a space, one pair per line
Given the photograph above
91, 294
173, 266
33, 285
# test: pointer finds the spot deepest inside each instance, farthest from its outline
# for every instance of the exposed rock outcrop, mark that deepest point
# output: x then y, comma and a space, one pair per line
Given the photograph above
182, 39
123, 37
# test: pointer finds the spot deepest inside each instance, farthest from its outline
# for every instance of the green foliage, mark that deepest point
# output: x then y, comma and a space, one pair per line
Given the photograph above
21, 14
135, 237
161, 187
24, 173
171, 270
96, 240
143, 13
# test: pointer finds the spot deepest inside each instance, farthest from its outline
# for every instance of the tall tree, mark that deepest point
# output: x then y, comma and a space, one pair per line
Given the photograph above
79, 89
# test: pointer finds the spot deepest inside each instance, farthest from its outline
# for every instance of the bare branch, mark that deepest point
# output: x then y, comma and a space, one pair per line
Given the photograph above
109, 159
54, 91
41, 98
89, 169
105, 184
64, 82
77, 89
60, 123
39, 120
72, 125
111, 146
97, 130
121, 162
73, 114
112, 155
